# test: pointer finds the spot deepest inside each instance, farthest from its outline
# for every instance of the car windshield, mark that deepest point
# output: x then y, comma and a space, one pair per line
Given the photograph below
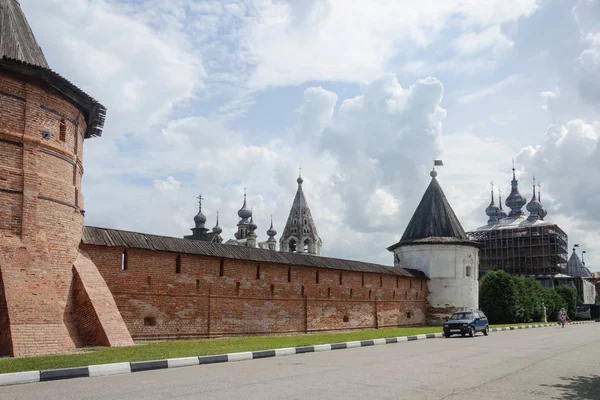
462, 315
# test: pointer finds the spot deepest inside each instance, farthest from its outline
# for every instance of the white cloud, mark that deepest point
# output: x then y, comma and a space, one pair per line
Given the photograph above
289, 44
491, 38
550, 99
488, 90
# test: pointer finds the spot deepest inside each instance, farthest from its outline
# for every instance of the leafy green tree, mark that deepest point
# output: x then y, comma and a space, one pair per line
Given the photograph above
570, 296
498, 297
553, 302
530, 298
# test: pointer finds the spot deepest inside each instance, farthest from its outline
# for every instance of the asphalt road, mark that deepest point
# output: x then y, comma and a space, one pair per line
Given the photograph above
547, 363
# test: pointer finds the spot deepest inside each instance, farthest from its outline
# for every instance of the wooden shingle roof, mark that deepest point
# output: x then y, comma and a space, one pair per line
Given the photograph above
434, 221
117, 238
17, 41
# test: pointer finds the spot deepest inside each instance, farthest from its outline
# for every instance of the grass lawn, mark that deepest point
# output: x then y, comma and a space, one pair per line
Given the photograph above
189, 348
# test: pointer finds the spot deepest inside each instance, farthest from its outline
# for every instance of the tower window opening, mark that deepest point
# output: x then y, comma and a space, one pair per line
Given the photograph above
272, 291
62, 131
381, 281
341, 281
178, 265
292, 246
468, 272
328, 292
397, 281
289, 274
351, 293
237, 288
317, 277
258, 272
363, 279
306, 244
197, 283
149, 321
305, 222
124, 260
222, 267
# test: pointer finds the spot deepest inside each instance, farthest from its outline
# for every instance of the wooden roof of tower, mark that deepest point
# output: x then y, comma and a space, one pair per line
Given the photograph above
20, 53
434, 221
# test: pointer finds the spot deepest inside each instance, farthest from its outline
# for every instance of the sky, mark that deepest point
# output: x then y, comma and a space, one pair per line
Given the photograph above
214, 97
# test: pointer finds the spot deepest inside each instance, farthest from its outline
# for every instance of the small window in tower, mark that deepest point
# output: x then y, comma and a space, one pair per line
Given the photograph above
237, 288
124, 260
346, 319
421, 285
302, 291
149, 321
362, 279
295, 222
468, 270
46, 135
272, 291
317, 277
397, 279
178, 265
222, 267
340, 277
149, 281
305, 222
408, 315
306, 244
381, 281
328, 292
197, 284
289, 274
63, 130
292, 246
258, 272
410, 283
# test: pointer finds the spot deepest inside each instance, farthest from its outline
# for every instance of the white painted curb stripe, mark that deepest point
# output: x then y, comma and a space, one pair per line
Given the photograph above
182, 362
17, 378
109, 369
287, 351
378, 341
351, 345
322, 347
247, 355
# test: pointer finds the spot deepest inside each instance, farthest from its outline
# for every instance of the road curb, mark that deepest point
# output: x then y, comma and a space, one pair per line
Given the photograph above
17, 378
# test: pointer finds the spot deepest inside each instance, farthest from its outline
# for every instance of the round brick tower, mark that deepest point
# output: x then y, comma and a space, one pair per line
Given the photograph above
44, 121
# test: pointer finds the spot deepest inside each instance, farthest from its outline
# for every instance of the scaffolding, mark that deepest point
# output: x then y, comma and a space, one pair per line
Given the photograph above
534, 251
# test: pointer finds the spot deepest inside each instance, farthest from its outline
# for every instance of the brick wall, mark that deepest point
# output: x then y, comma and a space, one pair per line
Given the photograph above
40, 220
211, 296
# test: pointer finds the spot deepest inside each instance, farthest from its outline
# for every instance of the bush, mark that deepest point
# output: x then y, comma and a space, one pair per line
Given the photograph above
570, 297
530, 298
498, 297
598, 299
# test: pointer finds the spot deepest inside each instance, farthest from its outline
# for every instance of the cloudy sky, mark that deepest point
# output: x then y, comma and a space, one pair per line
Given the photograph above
213, 97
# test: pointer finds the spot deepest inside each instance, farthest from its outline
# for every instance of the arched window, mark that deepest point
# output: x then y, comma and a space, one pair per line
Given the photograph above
468, 271
306, 244
62, 131
292, 245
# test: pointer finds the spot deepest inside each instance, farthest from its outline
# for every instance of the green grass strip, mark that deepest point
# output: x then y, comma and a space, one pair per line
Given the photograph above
189, 348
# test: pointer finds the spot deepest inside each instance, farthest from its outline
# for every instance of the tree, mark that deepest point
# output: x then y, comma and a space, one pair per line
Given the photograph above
553, 302
570, 297
598, 299
530, 297
498, 297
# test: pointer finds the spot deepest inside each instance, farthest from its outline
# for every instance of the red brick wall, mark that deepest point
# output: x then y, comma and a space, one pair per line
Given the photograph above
5, 340
39, 236
198, 302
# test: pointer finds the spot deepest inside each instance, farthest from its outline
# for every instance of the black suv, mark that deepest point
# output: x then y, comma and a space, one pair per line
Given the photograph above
467, 322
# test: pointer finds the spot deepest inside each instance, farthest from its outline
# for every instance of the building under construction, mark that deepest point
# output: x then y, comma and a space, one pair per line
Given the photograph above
519, 244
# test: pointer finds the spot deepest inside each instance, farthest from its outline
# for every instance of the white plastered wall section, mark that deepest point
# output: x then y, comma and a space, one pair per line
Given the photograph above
453, 274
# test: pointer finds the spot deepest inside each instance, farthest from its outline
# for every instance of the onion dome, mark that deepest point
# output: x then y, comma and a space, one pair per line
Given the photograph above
492, 210
271, 232
251, 225
244, 213
300, 180
534, 206
501, 212
515, 201
200, 219
542, 213
217, 229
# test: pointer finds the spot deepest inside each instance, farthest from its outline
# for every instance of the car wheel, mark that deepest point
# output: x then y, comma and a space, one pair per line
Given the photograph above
447, 334
486, 331
471, 332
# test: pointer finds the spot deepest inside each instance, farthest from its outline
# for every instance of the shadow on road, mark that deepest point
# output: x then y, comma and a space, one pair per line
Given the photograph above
579, 388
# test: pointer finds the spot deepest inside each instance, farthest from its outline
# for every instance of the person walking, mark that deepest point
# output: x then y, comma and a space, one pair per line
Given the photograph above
562, 317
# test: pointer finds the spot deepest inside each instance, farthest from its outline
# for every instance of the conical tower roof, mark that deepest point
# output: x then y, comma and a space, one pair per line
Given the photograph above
300, 222
434, 220
17, 41
575, 267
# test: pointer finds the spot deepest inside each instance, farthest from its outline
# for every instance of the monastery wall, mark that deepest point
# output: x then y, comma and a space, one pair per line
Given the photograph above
41, 217
169, 295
